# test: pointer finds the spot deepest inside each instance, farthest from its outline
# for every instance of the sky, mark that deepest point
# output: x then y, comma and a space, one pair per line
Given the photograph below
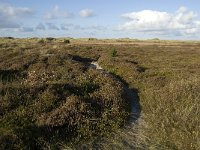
143, 19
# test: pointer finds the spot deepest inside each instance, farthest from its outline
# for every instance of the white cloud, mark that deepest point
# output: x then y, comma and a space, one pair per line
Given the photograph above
191, 31
90, 28
9, 11
40, 26
86, 13
182, 22
56, 13
10, 15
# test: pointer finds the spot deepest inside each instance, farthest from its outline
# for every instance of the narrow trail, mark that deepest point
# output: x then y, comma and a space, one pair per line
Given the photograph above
132, 94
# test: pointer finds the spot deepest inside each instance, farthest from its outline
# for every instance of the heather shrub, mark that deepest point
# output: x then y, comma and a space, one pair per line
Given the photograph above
113, 52
50, 96
66, 41
41, 41
50, 39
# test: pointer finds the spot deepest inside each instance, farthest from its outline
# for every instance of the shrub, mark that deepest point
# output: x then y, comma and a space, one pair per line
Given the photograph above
156, 39
50, 39
66, 41
9, 38
92, 39
9, 140
113, 52
41, 41
50, 96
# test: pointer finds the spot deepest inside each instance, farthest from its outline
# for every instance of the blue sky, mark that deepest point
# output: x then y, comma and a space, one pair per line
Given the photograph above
144, 19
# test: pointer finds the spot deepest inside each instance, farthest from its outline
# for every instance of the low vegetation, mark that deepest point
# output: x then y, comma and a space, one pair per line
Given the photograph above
66, 41
113, 53
50, 98
167, 79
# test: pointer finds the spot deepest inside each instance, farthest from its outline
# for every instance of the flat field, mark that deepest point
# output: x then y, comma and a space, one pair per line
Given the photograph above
51, 99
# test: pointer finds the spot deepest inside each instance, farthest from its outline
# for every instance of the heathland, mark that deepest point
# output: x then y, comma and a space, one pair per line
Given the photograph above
50, 97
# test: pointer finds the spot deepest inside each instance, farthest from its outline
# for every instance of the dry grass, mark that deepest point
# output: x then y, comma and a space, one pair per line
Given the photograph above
167, 78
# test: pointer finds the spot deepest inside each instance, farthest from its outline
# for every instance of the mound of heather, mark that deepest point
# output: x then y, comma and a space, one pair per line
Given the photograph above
51, 98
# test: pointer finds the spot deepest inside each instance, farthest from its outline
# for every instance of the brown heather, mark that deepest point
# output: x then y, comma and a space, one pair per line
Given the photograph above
49, 95
50, 99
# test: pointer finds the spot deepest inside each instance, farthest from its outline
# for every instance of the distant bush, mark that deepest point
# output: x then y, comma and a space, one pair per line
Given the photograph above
50, 39
41, 41
156, 39
92, 39
66, 41
9, 37
33, 38
113, 52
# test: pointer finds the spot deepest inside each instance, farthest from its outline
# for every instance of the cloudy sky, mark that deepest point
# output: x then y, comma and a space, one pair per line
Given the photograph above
142, 19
